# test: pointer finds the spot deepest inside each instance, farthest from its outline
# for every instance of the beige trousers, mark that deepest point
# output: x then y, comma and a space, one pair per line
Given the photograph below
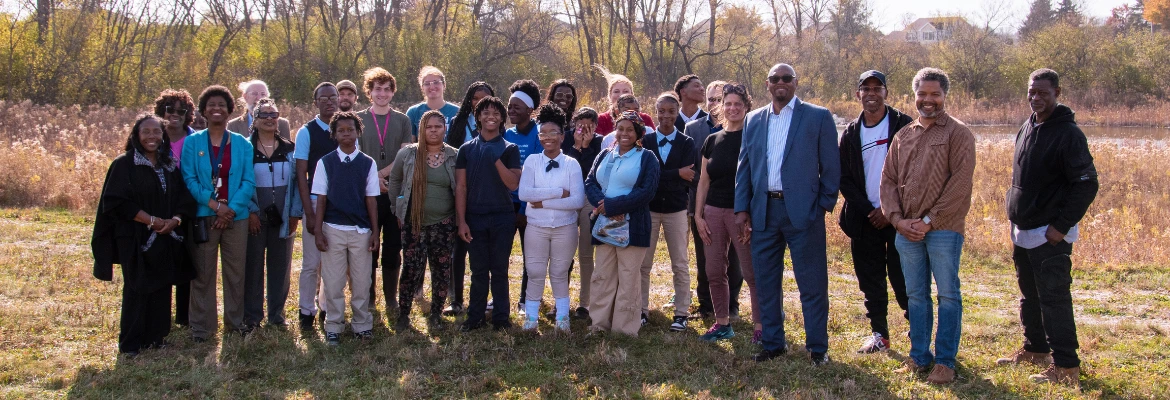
346, 260
614, 304
677, 233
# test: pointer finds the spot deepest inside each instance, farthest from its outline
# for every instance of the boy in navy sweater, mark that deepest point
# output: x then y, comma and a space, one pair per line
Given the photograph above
346, 186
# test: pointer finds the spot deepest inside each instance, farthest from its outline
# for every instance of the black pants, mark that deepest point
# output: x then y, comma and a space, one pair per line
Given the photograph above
146, 318
182, 302
1046, 311
390, 254
489, 250
734, 274
458, 272
875, 258
521, 223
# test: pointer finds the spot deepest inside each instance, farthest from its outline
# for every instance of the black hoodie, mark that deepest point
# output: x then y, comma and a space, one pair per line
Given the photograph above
1053, 177
857, 206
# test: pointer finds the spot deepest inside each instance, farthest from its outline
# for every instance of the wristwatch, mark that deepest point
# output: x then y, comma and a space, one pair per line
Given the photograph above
926, 220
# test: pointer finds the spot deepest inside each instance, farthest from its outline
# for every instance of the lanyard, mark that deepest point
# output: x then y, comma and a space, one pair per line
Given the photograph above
217, 156
381, 133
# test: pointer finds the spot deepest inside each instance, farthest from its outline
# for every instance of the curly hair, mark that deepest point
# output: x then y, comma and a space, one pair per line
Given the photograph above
491, 101
375, 76
214, 91
527, 86
932, 74
466, 108
560, 83
552, 114
739, 90
171, 97
342, 116
134, 141
586, 113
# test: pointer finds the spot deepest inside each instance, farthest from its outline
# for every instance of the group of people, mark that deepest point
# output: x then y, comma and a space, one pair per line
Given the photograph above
442, 184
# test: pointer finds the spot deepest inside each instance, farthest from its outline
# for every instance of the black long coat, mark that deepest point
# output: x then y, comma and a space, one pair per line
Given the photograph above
132, 185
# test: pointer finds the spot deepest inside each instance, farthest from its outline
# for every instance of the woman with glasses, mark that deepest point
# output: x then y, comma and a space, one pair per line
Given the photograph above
715, 214
562, 93
142, 203
176, 108
432, 83
621, 184
219, 174
274, 212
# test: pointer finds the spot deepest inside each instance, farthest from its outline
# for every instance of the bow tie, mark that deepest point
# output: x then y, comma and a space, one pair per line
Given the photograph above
664, 142
551, 164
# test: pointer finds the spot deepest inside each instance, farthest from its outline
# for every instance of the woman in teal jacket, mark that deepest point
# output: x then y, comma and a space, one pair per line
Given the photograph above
218, 172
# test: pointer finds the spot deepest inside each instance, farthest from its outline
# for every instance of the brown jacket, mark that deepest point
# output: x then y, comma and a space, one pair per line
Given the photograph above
240, 125
928, 172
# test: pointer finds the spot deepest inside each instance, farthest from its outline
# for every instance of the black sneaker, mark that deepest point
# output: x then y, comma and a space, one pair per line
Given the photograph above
469, 326
645, 319
454, 309
819, 359
765, 355
581, 313
364, 335
402, 324
321, 318
306, 322
332, 339
501, 326
678, 324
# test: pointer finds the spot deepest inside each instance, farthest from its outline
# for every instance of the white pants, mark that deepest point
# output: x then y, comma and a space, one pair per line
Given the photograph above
549, 251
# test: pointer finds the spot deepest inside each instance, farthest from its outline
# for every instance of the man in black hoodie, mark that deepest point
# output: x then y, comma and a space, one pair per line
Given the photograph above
863, 153
1053, 184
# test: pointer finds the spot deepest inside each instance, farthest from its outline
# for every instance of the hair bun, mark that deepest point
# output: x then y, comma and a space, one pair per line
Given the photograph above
553, 113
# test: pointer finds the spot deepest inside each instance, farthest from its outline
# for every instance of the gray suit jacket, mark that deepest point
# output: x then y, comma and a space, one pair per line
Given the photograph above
811, 168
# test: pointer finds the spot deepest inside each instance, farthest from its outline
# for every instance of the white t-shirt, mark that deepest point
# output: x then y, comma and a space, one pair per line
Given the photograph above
875, 142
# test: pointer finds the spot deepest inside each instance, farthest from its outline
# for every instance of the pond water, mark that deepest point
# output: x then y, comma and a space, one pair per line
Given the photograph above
1094, 133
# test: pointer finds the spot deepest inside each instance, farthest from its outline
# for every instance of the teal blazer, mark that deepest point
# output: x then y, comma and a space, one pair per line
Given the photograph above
196, 168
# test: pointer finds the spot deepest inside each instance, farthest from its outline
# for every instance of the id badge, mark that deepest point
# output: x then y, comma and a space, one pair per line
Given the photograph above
218, 183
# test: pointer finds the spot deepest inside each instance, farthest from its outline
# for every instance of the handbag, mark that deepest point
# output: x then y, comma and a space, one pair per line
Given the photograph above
200, 230
612, 232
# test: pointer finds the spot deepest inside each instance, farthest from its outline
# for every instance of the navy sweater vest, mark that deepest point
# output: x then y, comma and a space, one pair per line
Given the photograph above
320, 144
346, 197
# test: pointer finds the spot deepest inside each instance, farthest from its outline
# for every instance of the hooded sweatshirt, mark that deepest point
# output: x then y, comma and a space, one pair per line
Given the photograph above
1053, 177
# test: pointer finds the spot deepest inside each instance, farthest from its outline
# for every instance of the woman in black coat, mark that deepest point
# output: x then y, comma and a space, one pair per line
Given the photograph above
143, 201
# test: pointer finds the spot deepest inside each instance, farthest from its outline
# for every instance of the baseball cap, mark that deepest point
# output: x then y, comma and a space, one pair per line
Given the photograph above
865, 75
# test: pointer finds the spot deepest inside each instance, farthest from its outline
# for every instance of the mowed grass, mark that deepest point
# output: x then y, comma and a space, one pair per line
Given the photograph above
59, 326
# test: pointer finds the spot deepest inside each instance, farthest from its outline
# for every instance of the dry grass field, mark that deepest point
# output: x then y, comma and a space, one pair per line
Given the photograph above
58, 325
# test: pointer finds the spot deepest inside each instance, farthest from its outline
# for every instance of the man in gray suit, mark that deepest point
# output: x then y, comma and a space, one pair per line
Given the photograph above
788, 175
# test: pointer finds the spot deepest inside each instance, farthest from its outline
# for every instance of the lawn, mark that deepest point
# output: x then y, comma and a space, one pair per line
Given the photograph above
59, 326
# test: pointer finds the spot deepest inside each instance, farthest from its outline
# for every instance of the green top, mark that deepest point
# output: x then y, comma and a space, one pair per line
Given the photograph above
395, 132
440, 202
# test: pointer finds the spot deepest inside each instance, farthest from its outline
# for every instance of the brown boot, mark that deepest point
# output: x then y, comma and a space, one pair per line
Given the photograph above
1063, 376
941, 375
1024, 356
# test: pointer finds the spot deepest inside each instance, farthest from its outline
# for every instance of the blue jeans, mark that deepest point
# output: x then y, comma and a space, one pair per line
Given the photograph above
938, 255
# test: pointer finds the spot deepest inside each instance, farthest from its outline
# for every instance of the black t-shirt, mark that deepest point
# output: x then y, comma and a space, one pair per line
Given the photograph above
722, 151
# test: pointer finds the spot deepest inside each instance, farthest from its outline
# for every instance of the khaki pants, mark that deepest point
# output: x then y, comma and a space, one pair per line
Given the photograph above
309, 286
677, 236
584, 254
549, 253
231, 246
346, 259
614, 304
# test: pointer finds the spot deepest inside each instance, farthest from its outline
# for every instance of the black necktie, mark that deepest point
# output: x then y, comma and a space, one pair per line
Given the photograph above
663, 142
551, 164
346, 159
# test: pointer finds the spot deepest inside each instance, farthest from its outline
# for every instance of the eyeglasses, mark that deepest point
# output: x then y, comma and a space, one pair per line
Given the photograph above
328, 98
774, 79
180, 111
548, 135
562, 96
268, 115
432, 83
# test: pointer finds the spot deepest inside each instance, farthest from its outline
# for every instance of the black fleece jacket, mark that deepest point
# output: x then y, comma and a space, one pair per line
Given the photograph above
1053, 177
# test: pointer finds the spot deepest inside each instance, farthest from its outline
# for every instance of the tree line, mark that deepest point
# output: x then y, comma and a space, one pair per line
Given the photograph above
123, 52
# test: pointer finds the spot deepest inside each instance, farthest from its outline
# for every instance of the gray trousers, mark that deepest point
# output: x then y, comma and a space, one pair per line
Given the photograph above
267, 251
230, 247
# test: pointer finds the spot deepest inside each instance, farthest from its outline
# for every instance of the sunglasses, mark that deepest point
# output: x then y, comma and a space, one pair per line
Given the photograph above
714, 99
774, 79
268, 115
180, 111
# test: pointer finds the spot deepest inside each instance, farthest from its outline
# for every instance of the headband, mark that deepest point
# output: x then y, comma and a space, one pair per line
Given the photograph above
523, 97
